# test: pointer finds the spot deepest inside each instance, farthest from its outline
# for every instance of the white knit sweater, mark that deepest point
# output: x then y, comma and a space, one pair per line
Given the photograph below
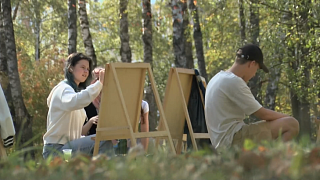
66, 113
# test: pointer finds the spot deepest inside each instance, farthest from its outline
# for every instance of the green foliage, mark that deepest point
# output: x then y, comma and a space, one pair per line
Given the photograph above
37, 80
289, 36
263, 161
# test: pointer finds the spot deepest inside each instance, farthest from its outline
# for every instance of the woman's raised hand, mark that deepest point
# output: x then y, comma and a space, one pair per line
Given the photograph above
101, 75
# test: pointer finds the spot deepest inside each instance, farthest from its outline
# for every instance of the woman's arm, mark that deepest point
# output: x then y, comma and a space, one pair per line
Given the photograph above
71, 100
88, 125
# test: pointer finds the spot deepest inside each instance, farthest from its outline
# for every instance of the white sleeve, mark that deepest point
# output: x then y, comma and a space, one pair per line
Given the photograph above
241, 95
71, 100
145, 107
6, 123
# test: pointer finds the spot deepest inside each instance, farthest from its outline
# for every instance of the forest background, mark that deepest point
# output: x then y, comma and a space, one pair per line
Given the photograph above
36, 36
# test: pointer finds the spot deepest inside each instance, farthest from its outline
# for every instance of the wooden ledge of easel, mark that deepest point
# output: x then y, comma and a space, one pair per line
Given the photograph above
201, 136
110, 137
197, 136
138, 135
131, 65
185, 71
112, 128
151, 134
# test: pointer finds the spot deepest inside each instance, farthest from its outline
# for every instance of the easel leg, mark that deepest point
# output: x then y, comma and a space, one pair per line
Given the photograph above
179, 146
133, 141
156, 145
96, 146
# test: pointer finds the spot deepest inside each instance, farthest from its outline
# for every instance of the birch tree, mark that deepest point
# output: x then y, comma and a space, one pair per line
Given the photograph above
147, 58
125, 50
197, 37
72, 27
22, 119
85, 31
178, 34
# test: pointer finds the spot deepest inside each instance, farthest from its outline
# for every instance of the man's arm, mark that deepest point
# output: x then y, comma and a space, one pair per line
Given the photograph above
268, 115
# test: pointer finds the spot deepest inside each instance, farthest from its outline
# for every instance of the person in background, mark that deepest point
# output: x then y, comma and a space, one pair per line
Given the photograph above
229, 99
66, 113
92, 110
144, 123
143, 126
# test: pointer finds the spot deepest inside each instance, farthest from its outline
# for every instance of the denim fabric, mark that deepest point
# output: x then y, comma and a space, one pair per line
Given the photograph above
51, 149
83, 145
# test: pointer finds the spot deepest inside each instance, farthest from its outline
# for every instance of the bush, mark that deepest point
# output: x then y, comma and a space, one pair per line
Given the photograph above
266, 161
37, 80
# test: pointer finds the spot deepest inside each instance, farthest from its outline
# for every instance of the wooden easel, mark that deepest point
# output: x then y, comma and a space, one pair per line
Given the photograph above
175, 106
121, 104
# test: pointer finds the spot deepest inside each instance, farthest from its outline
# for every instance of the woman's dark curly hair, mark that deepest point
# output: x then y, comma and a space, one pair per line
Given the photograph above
72, 60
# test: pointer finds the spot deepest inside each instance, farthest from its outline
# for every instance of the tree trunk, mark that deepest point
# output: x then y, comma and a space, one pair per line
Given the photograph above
295, 105
301, 111
72, 26
125, 50
197, 36
254, 83
37, 29
307, 27
300, 105
254, 22
4, 79
22, 119
305, 66
187, 36
242, 22
274, 78
178, 34
85, 31
147, 47
3, 54
15, 12
272, 88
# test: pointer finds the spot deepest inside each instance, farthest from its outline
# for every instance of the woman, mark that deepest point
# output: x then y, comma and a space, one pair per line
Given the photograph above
66, 113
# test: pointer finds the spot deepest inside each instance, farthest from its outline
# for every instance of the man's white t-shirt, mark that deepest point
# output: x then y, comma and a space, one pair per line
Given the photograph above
228, 100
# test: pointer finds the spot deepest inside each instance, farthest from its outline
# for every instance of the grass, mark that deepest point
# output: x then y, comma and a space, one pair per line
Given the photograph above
255, 161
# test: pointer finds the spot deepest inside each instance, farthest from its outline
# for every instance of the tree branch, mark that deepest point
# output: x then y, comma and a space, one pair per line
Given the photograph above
274, 8
15, 11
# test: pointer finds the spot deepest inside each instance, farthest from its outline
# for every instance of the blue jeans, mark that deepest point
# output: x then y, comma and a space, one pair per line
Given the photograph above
83, 145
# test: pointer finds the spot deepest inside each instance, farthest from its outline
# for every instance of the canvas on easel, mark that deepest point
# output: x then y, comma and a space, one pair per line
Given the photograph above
175, 105
120, 105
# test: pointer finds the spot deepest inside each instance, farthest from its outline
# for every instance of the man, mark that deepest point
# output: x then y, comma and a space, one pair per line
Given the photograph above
229, 99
